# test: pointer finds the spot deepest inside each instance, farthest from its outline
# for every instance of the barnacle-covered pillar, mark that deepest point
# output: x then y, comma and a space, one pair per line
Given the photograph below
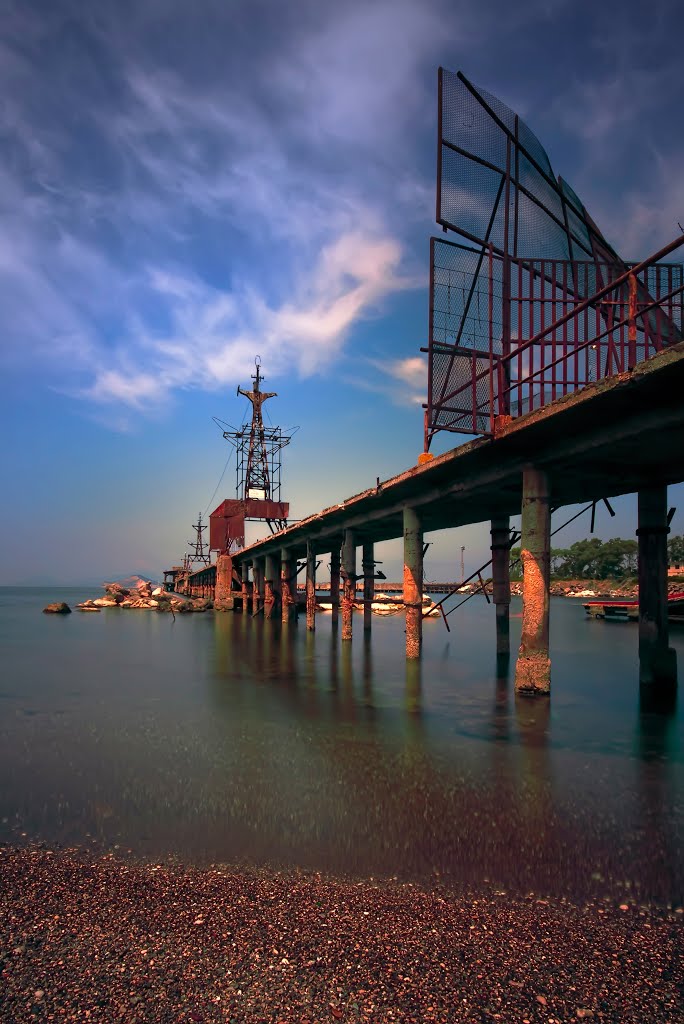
258, 570
533, 668
310, 585
348, 582
413, 582
223, 596
271, 587
288, 584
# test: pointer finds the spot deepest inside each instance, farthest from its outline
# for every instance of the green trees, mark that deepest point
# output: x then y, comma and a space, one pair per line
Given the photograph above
675, 551
594, 559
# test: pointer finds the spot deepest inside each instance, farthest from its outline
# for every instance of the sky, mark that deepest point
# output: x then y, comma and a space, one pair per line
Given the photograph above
188, 186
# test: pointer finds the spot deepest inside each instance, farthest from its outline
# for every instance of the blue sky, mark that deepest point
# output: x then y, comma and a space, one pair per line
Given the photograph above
185, 186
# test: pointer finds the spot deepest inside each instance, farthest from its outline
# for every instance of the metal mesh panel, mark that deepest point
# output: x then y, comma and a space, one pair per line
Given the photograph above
543, 217
468, 409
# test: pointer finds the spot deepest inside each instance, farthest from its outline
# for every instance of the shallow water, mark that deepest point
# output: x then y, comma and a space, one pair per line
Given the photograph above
219, 737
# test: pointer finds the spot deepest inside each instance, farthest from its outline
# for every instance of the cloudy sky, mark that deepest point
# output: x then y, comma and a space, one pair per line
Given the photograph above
185, 186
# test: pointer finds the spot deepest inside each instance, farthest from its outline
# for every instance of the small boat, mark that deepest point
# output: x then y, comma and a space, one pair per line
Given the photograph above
628, 610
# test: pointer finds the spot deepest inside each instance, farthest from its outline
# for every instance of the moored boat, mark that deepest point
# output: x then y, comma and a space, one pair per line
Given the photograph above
628, 610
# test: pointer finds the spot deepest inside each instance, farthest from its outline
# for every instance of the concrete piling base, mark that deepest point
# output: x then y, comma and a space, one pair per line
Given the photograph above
657, 661
224, 600
533, 668
501, 581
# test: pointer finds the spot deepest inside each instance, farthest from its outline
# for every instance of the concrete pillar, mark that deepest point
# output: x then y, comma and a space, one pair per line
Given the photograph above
368, 569
271, 587
533, 669
223, 597
245, 587
413, 582
348, 582
501, 582
657, 661
288, 583
258, 585
310, 585
335, 581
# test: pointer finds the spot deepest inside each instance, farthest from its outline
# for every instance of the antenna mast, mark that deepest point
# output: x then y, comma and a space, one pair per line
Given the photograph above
258, 467
198, 554
257, 483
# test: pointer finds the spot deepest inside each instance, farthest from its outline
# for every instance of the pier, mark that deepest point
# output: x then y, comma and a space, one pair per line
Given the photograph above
604, 440
563, 360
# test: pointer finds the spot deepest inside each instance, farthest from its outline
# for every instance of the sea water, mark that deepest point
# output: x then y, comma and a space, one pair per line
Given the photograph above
222, 738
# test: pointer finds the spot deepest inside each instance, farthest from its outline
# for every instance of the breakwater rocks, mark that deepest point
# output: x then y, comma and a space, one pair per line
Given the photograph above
58, 608
142, 595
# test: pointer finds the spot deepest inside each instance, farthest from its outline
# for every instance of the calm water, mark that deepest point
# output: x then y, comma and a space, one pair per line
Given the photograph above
222, 738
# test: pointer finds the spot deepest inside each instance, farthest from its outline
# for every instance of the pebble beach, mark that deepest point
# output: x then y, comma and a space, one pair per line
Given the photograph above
104, 940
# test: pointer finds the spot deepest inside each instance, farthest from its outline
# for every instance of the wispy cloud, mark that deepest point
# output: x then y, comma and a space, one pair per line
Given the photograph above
175, 222
401, 381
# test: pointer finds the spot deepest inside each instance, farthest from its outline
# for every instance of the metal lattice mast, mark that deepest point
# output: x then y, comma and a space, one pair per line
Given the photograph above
257, 475
198, 554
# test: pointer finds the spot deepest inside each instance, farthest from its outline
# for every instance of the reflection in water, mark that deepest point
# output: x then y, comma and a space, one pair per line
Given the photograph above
414, 685
658, 741
234, 738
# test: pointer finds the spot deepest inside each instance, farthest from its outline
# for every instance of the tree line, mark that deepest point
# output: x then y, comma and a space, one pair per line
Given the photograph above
594, 559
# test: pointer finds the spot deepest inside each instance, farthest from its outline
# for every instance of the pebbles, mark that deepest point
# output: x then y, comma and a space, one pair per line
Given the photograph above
114, 942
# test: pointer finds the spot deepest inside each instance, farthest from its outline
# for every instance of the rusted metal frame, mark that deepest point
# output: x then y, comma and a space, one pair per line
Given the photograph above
565, 328
528, 156
542, 324
440, 142
443, 398
506, 271
592, 299
631, 322
431, 318
517, 186
490, 314
654, 304
520, 331
585, 304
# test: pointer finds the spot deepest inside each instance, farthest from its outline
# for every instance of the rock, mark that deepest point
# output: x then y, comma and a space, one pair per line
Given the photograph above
105, 602
57, 608
88, 608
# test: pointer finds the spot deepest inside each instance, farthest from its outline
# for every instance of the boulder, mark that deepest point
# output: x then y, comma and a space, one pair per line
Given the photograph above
105, 602
57, 608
